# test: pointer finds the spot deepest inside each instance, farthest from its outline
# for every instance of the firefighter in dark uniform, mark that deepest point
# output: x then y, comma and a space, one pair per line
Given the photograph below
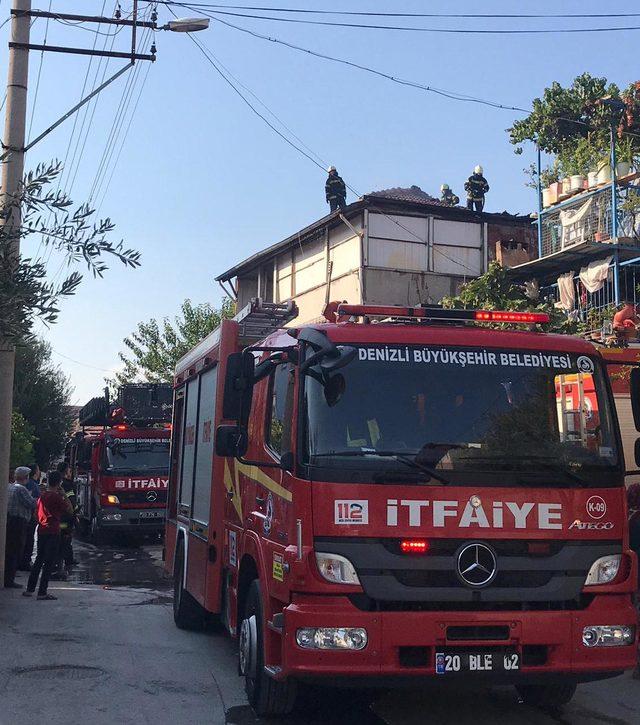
476, 187
335, 190
67, 524
448, 197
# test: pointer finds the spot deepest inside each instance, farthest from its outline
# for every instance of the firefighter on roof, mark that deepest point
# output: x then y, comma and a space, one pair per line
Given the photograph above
448, 197
476, 187
335, 190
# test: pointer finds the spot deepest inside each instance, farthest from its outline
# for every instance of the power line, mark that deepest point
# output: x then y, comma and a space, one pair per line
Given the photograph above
118, 122
453, 95
78, 362
414, 29
35, 96
400, 15
207, 54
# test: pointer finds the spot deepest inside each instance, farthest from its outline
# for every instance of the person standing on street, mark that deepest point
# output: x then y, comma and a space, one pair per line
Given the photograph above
33, 486
476, 187
20, 508
67, 525
335, 190
52, 506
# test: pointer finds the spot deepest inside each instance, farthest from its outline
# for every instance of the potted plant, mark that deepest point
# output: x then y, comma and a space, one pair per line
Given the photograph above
549, 184
625, 152
604, 169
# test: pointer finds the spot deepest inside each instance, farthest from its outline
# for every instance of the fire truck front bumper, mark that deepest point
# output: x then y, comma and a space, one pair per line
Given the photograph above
132, 519
328, 637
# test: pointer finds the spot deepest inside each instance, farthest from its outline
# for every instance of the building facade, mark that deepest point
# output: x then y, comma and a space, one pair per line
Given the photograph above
397, 246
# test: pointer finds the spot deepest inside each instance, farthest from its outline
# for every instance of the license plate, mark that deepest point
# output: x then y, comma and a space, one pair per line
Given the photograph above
151, 514
452, 661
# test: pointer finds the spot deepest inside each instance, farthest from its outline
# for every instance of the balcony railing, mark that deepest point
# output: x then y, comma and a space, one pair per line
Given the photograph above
589, 217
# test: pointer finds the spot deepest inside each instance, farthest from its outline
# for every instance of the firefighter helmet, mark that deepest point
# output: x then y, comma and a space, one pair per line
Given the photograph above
478, 169
444, 187
331, 168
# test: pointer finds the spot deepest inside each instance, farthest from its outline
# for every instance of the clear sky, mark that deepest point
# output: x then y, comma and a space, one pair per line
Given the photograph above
202, 183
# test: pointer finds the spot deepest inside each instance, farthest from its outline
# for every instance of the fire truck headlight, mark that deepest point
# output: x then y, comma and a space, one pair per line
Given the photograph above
608, 636
354, 638
603, 570
336, 569
113, 499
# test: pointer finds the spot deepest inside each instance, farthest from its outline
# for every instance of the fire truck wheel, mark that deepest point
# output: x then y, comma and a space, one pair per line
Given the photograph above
547, 695
95, 532
187, 613
266, 695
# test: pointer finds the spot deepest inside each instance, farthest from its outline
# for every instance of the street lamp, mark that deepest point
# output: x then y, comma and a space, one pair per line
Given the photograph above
187, 25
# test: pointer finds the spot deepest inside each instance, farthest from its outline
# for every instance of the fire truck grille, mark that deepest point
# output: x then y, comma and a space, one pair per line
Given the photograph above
393, 581
141, 497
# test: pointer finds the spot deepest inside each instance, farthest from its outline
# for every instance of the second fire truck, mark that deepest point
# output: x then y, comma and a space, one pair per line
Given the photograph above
121, 461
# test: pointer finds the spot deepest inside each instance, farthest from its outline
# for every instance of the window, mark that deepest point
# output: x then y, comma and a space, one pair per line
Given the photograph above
189, 444
204, 454
279, 424
482, 417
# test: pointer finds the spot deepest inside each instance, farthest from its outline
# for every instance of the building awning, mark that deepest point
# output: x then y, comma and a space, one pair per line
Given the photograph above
573, 258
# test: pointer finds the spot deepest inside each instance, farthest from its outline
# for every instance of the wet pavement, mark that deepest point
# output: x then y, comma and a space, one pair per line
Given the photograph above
121, 564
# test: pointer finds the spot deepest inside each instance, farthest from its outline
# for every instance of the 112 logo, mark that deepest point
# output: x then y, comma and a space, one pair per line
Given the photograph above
351, 512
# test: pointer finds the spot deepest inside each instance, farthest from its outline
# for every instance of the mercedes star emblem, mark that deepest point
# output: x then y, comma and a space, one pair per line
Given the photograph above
477, 565
152, 496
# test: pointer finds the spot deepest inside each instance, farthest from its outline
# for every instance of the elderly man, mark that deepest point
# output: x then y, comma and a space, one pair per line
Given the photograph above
19, 511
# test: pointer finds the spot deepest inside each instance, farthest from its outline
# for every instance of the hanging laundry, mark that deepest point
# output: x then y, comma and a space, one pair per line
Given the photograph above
594, 275
567, 291
576, 225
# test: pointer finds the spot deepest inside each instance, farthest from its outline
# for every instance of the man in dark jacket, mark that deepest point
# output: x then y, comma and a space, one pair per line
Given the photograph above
335, 190
476, 187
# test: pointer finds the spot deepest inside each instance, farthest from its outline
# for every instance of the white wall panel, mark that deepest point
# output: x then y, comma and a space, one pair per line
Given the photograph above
457, 233
398, 227
345, 257
397, 255
457, 260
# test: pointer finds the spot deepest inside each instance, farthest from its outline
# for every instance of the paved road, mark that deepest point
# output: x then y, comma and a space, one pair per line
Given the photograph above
107, 652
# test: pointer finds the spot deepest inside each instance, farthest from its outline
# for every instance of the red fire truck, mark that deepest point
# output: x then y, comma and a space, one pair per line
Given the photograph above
401, 494
121, 461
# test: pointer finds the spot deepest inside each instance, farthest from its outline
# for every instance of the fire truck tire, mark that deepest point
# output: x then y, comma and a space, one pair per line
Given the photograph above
547, 695
95, 532
266, 696
187, 613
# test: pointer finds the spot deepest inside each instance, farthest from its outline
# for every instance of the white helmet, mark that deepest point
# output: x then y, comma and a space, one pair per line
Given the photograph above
478, 169
444, 187
331, 168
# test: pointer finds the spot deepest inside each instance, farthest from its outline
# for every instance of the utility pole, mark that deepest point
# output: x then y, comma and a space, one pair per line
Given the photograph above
12, 171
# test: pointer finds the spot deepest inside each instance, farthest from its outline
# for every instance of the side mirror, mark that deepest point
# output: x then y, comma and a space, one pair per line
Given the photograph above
238, 387
634, 391
231, 441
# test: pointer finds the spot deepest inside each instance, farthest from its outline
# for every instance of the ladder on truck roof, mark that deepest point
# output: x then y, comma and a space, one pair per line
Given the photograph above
259, 319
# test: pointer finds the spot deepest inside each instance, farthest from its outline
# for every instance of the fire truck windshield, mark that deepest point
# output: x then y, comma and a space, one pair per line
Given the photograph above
467, 415
137, 454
